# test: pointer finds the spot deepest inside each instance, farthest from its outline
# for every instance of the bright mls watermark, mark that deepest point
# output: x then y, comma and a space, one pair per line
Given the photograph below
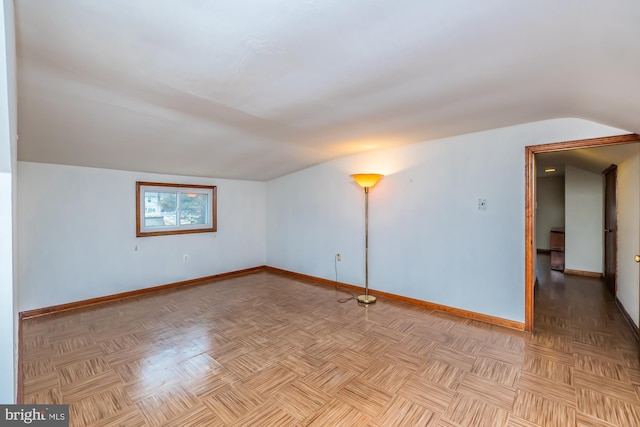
34, 415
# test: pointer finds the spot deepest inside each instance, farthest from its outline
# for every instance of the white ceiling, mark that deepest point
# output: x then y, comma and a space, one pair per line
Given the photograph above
257, 89
594, 160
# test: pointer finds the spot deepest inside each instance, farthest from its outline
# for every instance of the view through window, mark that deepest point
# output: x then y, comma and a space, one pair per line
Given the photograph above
174, 209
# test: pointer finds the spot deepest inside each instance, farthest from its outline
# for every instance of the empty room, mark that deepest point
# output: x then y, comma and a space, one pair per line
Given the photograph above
320, 213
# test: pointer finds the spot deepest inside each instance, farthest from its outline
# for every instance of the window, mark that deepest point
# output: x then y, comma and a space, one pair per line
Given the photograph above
163, 209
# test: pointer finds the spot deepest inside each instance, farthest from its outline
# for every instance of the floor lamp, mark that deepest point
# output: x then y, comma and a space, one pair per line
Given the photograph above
366, 181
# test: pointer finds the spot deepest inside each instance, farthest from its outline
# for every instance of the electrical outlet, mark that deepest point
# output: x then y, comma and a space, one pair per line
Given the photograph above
185, 258
339, 257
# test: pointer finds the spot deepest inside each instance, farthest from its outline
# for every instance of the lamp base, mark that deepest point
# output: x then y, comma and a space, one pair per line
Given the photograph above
366, 299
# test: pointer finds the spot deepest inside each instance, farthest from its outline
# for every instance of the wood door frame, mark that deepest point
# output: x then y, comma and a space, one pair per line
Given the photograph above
529, 206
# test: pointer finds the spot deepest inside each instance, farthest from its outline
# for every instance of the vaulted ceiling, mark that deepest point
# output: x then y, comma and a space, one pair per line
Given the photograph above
257, 89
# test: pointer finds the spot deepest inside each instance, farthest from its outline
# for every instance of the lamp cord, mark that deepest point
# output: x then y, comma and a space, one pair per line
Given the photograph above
351, 296
341, 300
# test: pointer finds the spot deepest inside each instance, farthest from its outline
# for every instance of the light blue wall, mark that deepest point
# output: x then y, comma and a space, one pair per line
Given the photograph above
8, 149
584, 204
428, 240
549, 208
629, 235
77, 226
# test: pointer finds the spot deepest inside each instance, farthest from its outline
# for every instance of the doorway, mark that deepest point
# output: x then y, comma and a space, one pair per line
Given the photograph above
530, 176
610, 228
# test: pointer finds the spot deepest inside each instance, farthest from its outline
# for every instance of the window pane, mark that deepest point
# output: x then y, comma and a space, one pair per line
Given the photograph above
164, 209
193, 208
160, 209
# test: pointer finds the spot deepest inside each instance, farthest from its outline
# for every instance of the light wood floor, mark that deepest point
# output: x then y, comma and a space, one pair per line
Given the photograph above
264, 350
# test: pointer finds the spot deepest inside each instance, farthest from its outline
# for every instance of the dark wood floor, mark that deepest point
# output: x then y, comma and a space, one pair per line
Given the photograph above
265, 350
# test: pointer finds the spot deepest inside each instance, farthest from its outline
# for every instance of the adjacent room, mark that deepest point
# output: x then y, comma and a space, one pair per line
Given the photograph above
187, 236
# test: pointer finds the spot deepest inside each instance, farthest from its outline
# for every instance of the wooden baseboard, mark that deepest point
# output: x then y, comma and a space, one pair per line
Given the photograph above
131, 294
20, 379
627, 317
303, 277
512, 324
543, 251
583, 273
314, 280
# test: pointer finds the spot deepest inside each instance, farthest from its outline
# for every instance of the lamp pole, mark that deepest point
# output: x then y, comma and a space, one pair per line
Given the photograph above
366, 181
366, 299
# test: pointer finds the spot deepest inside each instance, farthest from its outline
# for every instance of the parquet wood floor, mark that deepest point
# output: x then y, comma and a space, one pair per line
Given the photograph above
266, 350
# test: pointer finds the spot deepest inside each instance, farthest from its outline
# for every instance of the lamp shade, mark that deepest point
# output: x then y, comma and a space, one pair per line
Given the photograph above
367, 180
